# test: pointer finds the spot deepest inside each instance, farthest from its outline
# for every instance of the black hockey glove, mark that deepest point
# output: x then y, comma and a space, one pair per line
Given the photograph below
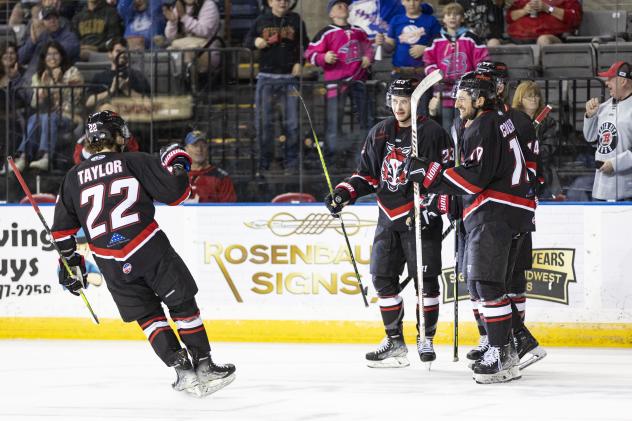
77, 265
422, 171
338, 200
173, 156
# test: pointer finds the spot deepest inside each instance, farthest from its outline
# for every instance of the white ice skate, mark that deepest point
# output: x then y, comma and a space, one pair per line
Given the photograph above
213, 377
498, 365
390, 354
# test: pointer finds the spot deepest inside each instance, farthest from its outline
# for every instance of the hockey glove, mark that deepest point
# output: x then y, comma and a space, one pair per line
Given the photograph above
338, 200
173, 156
77, 266
422, 171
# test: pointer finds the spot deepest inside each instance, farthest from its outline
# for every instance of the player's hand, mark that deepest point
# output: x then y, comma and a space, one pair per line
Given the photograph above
330, 57
591, 107
417, 51
336, 201
79, 276
173, 155
421, 170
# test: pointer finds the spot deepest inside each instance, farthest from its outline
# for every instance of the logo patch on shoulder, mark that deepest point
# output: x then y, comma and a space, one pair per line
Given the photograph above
97, 157
127, 268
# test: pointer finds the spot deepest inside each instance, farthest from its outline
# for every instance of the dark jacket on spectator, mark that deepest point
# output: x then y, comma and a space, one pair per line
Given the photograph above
284, 34
530, 28
29, 52
98, 26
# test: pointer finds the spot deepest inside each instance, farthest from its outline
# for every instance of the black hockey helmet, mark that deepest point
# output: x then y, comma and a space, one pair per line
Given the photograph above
496, 69
478, 85
401, 87
103, 126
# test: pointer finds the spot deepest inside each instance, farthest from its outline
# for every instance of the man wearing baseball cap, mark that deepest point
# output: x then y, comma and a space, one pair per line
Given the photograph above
609, 126
208, 183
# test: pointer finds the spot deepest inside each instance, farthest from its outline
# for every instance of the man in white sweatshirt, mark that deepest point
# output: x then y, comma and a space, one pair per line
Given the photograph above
610, 126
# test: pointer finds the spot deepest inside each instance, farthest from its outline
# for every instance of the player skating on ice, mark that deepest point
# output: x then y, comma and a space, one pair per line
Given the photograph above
387, 146
492, 179
111, 196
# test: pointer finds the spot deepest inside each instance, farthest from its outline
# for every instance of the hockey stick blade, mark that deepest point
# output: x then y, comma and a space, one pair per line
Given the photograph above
427, 83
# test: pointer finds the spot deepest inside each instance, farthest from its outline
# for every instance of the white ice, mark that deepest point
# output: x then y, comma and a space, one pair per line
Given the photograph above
108, 380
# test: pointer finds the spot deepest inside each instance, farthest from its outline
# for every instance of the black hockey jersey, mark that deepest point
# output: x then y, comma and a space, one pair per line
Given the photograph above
111, 196
385, 150
493, 176
529, 143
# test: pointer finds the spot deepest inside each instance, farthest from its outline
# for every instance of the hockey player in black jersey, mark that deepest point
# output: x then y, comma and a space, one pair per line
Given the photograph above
111, 196
521, 256
387, 146
492, 180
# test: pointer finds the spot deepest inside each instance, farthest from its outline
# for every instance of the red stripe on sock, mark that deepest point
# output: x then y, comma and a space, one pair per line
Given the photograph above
155, 319
397, 307
157, 331
190, 331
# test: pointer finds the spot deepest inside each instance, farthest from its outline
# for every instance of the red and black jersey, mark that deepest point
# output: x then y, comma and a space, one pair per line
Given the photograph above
211, 184
111, 196
493, 176
386, 148
528, 142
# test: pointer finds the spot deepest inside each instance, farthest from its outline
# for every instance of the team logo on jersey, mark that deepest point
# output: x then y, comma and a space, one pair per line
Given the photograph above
351, 51
411, 34
127, 268
608, 138
117, 239
97, 157
393, 160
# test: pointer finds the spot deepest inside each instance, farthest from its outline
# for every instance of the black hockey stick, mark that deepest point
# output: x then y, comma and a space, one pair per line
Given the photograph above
18, 174
363, 290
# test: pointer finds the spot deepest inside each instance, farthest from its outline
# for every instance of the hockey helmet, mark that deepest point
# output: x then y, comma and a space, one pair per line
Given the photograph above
103, 126
495, 69
400, 87
478, 85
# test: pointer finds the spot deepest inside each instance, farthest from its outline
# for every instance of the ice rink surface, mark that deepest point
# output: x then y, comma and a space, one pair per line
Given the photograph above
107, 380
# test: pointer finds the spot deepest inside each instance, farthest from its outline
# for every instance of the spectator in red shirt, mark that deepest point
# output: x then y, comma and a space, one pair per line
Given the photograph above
542, 21
208, 182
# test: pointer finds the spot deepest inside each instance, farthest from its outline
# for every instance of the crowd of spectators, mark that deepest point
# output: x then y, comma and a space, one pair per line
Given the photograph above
419, 39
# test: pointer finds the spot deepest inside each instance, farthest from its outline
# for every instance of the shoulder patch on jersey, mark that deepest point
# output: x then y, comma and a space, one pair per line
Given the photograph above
97, 157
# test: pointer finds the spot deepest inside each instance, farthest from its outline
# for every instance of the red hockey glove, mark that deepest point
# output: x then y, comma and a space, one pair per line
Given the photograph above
173, 155
78, 280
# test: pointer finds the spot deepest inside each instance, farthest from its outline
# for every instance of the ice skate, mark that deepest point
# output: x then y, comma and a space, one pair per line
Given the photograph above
187, 380
478, 352
213, 377
498, 365
426, 351
390, 354
527, 344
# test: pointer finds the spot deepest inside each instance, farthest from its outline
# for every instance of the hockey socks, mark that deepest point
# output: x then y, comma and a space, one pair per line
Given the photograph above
518, 304
392, 311
161, 337
480, 323
498, 315
191, 329
431, 314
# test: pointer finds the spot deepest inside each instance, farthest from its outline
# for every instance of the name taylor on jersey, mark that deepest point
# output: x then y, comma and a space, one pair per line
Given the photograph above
95, 172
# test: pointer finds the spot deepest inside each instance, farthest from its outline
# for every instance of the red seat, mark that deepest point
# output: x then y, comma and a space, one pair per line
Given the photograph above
294, 198
40, 198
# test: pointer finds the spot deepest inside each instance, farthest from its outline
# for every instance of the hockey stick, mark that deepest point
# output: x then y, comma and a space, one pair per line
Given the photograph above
427, 83
363, 290
18, 174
